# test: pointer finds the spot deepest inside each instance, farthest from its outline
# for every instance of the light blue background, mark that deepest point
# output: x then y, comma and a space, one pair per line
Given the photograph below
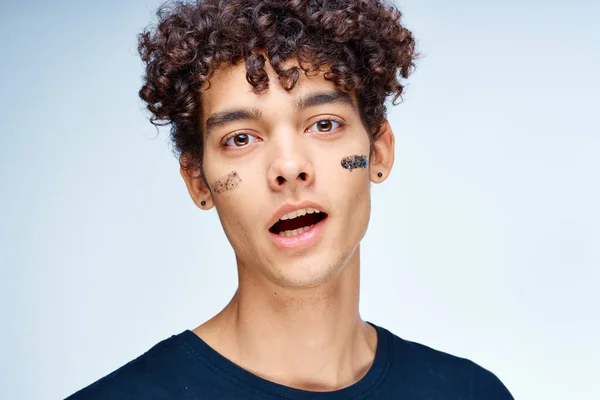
484, 242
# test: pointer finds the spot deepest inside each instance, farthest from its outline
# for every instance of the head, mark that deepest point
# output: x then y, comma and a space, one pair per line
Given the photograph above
275, 107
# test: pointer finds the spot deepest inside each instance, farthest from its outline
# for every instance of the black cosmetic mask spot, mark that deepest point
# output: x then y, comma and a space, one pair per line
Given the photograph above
356, 161
228, 182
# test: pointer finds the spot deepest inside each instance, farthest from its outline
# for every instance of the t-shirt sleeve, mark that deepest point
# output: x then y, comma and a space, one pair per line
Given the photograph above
486, 386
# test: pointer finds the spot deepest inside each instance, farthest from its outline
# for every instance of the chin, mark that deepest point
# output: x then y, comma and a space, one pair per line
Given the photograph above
304, 274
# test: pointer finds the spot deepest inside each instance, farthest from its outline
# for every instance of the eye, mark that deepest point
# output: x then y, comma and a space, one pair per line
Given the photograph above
240, 140
325, 126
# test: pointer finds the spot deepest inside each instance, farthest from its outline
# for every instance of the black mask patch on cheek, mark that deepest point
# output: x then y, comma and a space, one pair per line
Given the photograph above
228, 182
355, 161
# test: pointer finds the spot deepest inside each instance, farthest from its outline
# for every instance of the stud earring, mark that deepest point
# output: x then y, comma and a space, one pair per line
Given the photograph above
202, 203
379, 174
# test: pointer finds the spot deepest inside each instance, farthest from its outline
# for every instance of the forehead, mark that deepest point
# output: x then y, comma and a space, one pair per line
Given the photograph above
229, 88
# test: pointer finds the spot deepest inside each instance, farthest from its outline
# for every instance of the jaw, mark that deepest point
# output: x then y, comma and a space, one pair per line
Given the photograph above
306, 272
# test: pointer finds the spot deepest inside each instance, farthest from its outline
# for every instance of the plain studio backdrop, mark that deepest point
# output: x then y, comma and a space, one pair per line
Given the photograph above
484, 242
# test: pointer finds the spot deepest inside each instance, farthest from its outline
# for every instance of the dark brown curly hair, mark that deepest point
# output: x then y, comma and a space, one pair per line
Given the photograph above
360, 44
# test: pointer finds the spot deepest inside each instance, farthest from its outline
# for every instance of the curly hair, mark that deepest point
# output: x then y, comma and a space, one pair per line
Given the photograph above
359, 44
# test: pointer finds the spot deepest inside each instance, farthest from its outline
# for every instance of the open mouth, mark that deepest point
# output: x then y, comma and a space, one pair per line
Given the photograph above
297, 222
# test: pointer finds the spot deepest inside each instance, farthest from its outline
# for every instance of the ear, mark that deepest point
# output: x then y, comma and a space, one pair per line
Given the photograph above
382, 157
197, 187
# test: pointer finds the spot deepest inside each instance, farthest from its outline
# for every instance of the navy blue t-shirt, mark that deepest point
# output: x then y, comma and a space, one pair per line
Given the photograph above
185, 367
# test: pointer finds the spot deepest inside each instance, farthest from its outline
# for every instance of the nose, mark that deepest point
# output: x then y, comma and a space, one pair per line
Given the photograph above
291, 169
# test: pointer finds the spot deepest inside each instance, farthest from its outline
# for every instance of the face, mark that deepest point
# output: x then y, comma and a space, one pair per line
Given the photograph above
289, 174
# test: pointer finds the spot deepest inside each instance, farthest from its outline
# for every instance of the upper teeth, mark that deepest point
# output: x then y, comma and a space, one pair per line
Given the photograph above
299, 213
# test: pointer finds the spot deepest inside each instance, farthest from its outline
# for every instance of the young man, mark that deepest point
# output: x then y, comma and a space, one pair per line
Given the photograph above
277, 111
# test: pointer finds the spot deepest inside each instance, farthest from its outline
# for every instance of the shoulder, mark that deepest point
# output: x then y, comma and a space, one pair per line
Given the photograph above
486, 385
440, 372
150, 375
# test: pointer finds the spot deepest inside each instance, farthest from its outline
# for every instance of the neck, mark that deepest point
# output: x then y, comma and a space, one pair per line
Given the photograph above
311, 339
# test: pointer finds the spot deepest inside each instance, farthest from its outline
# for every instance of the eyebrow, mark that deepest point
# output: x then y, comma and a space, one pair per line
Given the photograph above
222, 118
218, 119
318, 99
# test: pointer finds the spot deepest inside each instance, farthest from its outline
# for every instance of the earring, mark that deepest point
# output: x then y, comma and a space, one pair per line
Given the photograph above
202, 203
379, 174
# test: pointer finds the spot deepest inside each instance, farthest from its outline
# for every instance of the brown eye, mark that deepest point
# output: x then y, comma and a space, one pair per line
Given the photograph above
240, 140
325, 126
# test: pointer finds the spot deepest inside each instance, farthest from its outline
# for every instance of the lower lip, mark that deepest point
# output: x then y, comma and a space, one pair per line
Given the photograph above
300, 241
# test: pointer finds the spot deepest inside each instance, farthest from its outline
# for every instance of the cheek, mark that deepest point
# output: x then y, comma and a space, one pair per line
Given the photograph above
234, 212
356, 201
239, 203
230, 181
354, 154
348, 188
344, 170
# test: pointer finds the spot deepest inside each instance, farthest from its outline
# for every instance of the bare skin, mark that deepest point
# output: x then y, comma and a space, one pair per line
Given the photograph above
313, 340
294, 319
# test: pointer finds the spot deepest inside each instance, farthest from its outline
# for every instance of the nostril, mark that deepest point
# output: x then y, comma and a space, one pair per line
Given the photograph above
280, 180
302, 176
